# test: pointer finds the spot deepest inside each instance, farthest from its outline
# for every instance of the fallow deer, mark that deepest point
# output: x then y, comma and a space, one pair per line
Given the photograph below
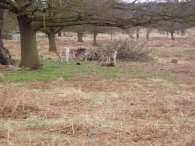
66, 54
109, 57
80, 54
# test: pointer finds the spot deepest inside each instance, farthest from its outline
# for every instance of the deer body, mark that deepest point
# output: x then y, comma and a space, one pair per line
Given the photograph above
67, 54
109, 56
81, 54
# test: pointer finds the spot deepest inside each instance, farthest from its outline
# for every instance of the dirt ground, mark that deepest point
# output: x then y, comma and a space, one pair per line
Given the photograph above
127, 111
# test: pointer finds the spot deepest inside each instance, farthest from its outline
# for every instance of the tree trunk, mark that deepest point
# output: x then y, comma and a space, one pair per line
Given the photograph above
147, 35
111, 35
1, 26
5, 57
52, 42
29, 52
59, 34
80, 36
95, 39
137, 35
172, 36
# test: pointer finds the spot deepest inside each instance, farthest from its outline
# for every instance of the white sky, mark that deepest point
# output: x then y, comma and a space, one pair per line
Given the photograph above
129, 1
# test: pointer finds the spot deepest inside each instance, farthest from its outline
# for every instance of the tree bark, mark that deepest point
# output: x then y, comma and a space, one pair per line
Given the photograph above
111, 35
5, 57
95, 39
172, 36
147, 35
137, 35
80, 36
59, 34
29, 52
52, 42
1, 26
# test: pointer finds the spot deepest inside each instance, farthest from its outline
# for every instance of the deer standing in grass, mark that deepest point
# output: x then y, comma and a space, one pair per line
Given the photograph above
81, 54
65, 54
108, 58
72, 54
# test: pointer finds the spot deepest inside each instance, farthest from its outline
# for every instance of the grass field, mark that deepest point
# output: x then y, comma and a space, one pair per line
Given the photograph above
132, 104
53, 70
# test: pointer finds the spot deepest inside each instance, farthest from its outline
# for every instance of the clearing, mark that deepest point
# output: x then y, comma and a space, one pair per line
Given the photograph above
133, 104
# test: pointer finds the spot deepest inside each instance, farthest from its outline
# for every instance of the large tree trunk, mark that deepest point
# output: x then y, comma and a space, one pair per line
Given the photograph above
29, 53
80, 36
52, 42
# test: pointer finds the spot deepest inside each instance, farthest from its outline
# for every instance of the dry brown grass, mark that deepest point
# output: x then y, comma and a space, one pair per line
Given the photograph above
12, 103
21, 103
156, 41
96, 111
137, 112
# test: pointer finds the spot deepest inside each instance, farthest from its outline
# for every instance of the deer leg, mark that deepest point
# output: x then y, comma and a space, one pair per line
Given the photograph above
67, 54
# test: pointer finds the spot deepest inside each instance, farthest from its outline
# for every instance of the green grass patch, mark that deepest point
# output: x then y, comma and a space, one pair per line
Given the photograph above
71, 71
2, 127
189, 52
35, 123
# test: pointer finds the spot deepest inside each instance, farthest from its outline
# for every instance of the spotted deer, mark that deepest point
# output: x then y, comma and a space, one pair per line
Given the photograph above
80, 54
66, 54
108, 58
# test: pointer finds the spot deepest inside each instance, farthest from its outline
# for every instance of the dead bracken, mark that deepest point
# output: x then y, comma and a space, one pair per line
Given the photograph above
150, 104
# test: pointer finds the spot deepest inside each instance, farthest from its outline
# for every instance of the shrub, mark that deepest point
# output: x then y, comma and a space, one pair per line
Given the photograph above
131, 50
93, 54
96, 53
127, 49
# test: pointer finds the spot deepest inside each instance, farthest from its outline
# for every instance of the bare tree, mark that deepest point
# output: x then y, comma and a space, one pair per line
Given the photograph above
171, 27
